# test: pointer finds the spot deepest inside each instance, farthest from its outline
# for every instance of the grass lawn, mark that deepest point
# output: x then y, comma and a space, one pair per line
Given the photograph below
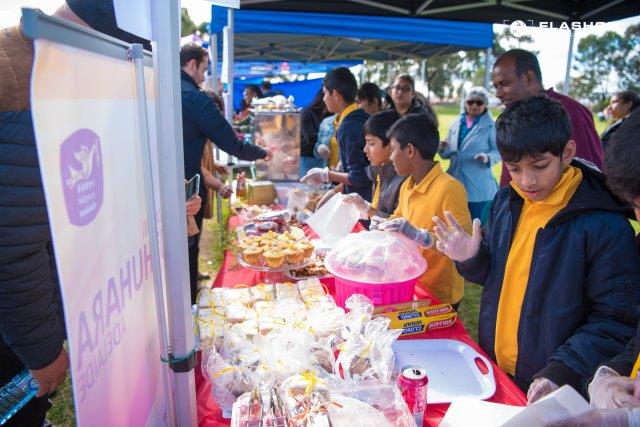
212, 251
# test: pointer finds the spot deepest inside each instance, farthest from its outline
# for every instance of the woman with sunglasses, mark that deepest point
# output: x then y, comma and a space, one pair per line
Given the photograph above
471, 146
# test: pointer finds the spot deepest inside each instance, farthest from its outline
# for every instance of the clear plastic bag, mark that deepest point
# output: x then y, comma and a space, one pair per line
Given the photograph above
228, 382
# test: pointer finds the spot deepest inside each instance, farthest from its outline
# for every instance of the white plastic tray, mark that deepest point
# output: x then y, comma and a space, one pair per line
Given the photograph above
452, 368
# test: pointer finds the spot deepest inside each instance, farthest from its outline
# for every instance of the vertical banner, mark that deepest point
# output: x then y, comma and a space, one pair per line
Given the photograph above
86, 125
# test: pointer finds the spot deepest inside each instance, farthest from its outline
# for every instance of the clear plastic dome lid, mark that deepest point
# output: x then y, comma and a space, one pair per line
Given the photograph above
375, 257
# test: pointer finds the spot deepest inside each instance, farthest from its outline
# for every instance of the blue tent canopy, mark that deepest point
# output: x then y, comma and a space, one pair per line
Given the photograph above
314, 37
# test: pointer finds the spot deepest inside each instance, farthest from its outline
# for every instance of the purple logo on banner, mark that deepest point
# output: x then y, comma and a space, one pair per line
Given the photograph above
81, 167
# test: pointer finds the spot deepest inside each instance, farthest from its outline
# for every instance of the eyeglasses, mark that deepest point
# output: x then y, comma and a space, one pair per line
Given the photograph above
402, 88
478, 102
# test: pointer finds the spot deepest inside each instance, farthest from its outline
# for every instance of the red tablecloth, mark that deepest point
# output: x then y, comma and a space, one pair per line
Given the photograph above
209, 413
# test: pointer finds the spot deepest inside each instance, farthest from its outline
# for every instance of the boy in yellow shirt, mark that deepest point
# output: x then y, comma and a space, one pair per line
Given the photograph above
427, 192
557, 261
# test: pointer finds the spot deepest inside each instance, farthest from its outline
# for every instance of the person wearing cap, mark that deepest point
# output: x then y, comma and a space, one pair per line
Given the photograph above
471, 146
31, 322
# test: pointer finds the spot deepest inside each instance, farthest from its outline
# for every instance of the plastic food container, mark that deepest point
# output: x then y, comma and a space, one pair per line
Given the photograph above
380, 265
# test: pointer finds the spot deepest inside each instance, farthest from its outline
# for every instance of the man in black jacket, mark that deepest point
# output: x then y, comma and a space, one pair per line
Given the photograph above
201, 120
31, 322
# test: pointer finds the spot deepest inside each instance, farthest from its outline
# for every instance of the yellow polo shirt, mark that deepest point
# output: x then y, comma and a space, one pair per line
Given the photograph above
534, 216
419, 203
375, 201
334, 158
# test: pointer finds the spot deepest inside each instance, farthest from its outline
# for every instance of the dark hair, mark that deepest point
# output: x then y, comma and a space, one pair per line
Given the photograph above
409, 79
621, 158
343, 81
532, 128
217, 100
524, 60
629, 96
370, 92
317, 104
379, 124
418, 129
192, 51
266, 84
255, 89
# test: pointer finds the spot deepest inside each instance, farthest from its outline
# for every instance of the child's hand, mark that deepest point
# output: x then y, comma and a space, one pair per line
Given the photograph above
361, 205
608, 389
404, 227
453, 241
316, 176
539, 388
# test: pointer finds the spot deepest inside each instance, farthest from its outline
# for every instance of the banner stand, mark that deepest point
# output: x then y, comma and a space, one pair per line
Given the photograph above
179, 389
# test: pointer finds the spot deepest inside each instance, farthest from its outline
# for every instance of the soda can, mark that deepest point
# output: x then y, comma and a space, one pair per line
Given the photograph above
413, 383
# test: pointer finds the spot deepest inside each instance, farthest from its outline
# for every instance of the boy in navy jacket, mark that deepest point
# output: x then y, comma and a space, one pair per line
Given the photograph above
557, 258
339, 87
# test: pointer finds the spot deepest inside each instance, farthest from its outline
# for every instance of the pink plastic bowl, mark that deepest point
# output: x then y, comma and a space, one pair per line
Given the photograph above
378, 293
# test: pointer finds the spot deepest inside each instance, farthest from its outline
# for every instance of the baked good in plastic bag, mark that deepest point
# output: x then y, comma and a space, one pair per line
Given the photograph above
369, 403
369, 355
306, 397
210, 324
360, 311
227, 381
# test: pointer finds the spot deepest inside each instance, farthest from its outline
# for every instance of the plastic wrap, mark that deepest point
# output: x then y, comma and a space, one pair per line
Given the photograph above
228, 382
375, 257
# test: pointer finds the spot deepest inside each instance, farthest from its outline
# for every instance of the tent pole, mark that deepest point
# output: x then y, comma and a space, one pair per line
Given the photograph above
229, 62
213, 56
567, 76
487, 67
165, 24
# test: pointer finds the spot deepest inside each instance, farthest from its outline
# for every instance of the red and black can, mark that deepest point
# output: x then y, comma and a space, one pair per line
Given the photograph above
413, 384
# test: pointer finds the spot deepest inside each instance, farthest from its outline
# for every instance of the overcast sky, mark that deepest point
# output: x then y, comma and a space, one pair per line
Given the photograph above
553, 44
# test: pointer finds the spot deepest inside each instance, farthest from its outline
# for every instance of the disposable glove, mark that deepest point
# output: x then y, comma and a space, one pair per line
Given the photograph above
453, 241
482, 157
323, 151
539, 388
404, 227
361, 205
609, 390
316, 176
619, 417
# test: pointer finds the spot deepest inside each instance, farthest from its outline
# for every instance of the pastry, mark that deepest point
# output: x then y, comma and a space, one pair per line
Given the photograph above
252, 255
307, 248
294, 256
274, 258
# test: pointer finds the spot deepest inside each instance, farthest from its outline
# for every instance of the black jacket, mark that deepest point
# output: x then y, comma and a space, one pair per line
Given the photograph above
31, 323
201, 119
623, 363
584, 284
354, 161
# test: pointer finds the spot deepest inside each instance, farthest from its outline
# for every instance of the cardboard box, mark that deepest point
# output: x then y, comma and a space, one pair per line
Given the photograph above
417, 317
261, 192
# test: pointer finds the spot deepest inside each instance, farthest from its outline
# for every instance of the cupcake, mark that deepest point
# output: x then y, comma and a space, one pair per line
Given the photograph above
274, 258
307, 248
293, 255
252, 255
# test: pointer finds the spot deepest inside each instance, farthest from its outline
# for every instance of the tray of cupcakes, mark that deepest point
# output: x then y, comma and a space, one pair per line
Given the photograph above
273, 251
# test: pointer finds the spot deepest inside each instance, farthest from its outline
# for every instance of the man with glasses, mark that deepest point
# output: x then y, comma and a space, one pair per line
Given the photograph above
405, 98
517, 77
